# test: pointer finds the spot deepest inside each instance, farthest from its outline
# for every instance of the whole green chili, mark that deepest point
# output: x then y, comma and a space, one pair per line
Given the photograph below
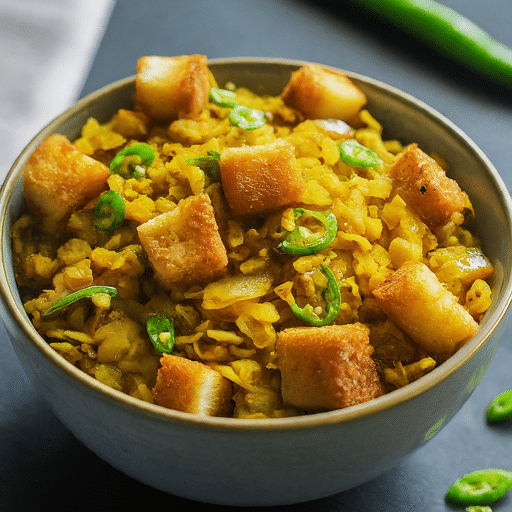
446, 30
88, 292
109, 211
500, 408
129, 161
247, 118
301, 241
331, 294
480, 487
210, 165
161, 333
223, 97
353, 153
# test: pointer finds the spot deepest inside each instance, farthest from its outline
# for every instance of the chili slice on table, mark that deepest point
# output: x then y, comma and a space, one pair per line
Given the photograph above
109, 211
500, 408
480, 487
88, 292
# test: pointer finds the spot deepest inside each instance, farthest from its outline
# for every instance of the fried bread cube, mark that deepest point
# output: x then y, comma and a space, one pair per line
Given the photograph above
191, 386
58, 179
326, 368
422, 183
167, 87
322, 93
416, 301
260, 178
183, 245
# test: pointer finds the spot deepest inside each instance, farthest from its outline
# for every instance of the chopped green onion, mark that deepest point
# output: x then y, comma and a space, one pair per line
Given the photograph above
301, 242
353, 153
247, 118
80, 294
109, 211
332, 297
161, 333
223, 97
131, 158
210, 165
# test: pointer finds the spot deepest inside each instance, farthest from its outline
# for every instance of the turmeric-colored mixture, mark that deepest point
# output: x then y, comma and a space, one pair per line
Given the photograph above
222, 253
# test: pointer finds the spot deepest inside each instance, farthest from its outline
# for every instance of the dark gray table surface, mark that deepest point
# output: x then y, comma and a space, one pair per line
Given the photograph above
43, 465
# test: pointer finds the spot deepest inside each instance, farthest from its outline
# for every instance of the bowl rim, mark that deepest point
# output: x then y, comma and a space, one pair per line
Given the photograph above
312, 421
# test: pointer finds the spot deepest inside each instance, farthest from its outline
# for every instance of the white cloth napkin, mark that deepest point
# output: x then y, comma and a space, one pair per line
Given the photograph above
46, 48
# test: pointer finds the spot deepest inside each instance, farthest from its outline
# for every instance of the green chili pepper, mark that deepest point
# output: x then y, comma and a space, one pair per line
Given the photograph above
478, 508
210, 165
161, 333
331, 295
247, 118
353, 153
480, 487
301, 241
447, 31
223, 97
109, 211
80, 294
129, 161
500, 408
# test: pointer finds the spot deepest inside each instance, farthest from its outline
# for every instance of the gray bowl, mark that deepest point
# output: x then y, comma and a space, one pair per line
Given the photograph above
279, 461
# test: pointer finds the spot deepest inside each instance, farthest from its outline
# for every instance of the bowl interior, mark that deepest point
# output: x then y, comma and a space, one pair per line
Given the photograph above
403, 117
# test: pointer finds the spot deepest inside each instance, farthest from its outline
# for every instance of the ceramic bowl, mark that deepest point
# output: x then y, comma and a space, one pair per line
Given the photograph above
279, 461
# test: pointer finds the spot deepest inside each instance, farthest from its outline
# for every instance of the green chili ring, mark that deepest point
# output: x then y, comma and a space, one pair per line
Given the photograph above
332, 296
161, 333
88, 292
480, 487
500, 408
109, 211
353, 153
247, 118
142, 154
296, 244
210, 165
223, 97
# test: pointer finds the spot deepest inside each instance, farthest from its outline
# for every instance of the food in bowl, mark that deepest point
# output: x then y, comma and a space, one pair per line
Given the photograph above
222, 253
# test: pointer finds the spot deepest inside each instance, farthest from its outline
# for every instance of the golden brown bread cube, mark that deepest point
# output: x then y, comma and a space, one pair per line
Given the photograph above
418, 303
322, 93
422, 183
183, 245
167, 87
327, 367
260, 178
58, 179
191, 386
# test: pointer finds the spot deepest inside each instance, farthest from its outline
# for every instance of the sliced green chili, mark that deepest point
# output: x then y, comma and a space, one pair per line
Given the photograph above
478, 508
446, 30
500, 408
210, 165
353, 153
301, 241
161, 333
247, 118
480, 487
223, 97
80, 294
129, 161
109, 211
331, 294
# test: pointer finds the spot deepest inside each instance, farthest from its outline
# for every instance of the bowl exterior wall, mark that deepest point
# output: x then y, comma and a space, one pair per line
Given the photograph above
265, 463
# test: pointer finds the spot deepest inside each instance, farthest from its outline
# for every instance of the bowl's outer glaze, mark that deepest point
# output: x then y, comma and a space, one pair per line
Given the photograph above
269, 462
